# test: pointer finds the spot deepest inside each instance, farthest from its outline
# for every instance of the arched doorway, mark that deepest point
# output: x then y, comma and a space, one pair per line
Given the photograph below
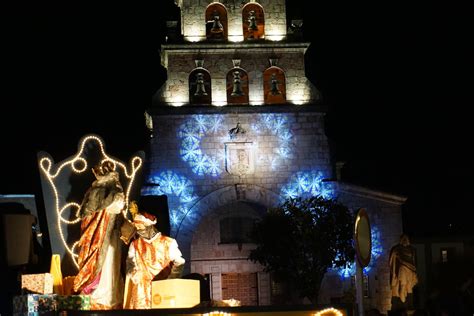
199, 238
219, 250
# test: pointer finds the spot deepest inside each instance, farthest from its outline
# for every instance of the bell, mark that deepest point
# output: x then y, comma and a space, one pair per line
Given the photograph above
252, 21
216, 24
274, 86
200, 89
237, 86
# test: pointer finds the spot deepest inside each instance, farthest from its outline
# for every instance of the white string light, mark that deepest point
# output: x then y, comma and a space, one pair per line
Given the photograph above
78, 165
330, 310
217, 313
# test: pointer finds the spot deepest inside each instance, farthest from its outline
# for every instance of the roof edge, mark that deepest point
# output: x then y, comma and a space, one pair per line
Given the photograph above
361, 191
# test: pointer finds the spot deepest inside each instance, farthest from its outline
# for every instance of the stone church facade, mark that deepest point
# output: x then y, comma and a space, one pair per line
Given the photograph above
237, 128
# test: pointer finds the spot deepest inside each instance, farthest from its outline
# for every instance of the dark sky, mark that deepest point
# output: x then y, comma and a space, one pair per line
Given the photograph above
397, 78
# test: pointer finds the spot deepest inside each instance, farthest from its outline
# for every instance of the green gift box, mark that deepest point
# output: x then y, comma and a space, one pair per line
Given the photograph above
74, 302
34, 304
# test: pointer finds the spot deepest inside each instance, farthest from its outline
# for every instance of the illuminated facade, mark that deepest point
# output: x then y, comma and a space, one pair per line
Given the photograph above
237, 129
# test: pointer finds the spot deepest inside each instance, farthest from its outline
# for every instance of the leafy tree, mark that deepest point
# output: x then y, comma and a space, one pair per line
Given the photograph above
301, 239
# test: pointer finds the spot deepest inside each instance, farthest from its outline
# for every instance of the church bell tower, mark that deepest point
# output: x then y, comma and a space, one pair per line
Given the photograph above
235, 53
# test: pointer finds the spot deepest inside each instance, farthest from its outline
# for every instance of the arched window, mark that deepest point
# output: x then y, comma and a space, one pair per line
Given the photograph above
216, 22
236, 221
237, 85
253, 21
200, 86
236, 229
274, 85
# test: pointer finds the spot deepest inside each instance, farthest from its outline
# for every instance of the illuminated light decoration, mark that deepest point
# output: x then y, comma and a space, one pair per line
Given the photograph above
304, 184
79, 165
377, 250
200, 165
214, 166
179, 190
329, 311
277, 125
191, 133
217, 313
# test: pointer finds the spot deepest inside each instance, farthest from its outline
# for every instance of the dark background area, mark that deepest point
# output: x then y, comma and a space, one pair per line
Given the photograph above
396, 76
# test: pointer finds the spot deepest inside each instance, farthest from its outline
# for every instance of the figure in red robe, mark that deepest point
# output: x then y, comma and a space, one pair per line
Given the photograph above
99, 255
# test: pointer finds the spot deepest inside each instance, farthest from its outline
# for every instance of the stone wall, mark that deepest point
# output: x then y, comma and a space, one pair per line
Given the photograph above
188, 156
193, 19
218, 61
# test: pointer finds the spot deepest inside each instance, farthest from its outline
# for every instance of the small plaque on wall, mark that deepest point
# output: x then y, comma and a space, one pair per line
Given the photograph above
240, 158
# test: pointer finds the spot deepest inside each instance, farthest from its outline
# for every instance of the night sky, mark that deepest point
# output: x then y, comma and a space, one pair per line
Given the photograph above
397, 78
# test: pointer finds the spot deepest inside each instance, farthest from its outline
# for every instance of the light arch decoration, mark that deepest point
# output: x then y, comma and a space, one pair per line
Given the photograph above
330, 311
61, 178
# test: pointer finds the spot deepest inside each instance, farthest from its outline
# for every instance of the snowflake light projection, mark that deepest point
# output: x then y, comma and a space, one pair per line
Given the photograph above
350, 270
277, 125
304, 184
191, 134
179, 190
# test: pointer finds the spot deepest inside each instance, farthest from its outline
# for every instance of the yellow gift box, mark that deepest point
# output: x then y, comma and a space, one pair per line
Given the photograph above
175, 293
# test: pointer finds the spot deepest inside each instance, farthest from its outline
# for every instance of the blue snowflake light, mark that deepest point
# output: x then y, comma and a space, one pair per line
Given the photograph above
278, 126
178, 188
350, 270
191, 133
305, 184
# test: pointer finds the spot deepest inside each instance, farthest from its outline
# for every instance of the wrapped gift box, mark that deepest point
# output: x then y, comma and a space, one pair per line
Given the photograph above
74, 302
175, 293
34, 304
41, 283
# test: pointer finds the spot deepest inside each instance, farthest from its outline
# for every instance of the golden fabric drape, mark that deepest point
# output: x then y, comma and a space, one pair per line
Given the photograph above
93, 228
145, 260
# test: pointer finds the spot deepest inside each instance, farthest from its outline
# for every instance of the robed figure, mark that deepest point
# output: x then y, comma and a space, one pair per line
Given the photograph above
402, 269
99, 244
151, 255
